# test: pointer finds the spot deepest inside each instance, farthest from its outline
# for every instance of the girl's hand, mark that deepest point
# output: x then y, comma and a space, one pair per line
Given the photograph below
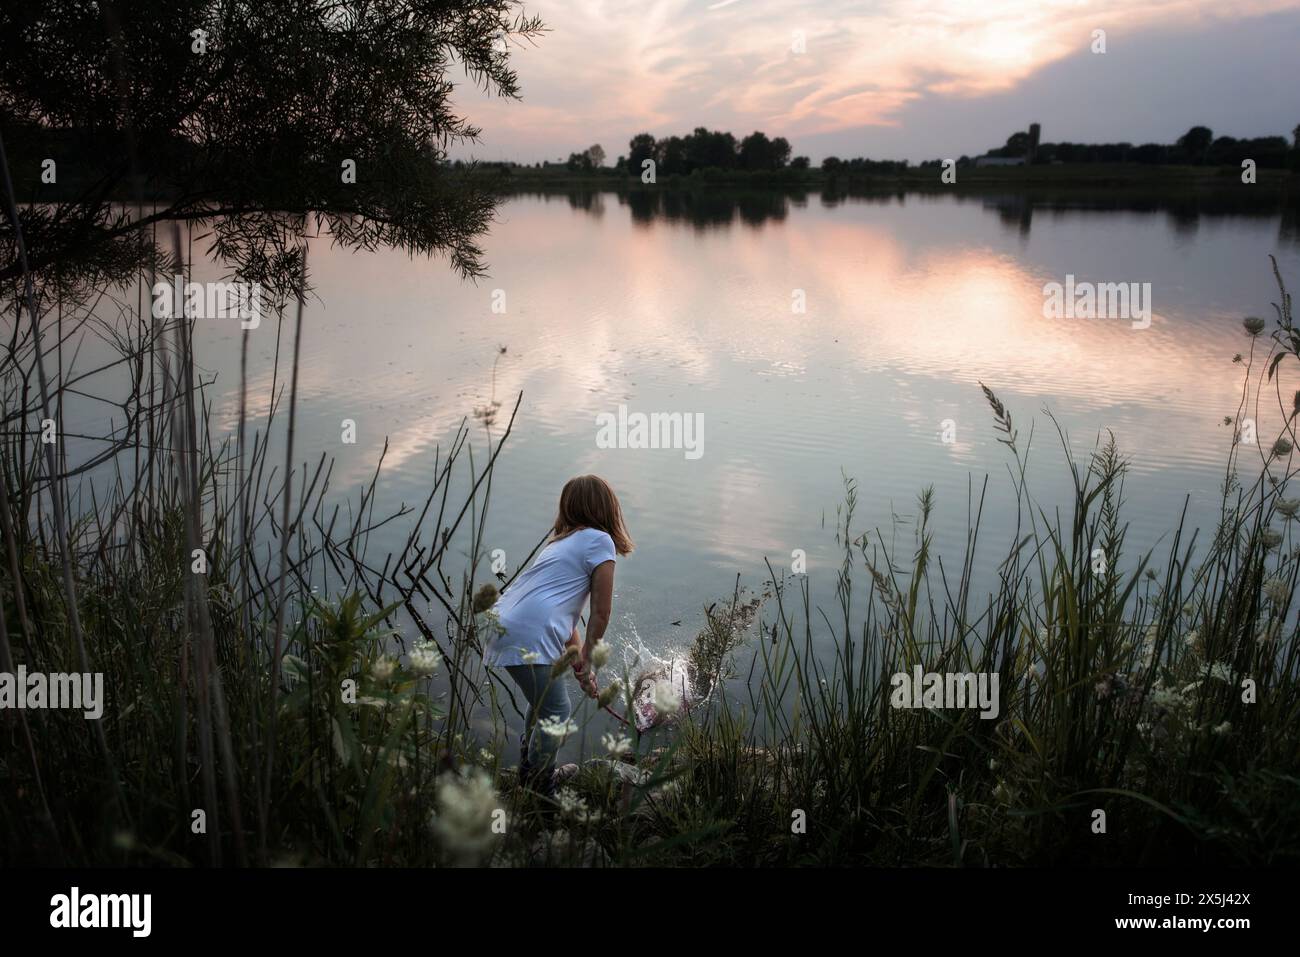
586, 679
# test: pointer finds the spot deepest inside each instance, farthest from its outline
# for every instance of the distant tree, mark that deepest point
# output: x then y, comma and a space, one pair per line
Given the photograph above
831, 164
1017, 144
670, 155
706, 148
780, 152
755, 152
250, 136
596, 154
800, 162
639, 149
579, 162
1195, 143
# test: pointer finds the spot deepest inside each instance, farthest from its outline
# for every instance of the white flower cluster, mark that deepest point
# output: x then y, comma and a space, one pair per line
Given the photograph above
666, 699
557, 727
425, 658
383, 668
616, 745
573, 806
467, 804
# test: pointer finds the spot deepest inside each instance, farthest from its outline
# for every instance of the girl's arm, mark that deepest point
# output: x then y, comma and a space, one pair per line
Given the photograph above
602, 601
586, 677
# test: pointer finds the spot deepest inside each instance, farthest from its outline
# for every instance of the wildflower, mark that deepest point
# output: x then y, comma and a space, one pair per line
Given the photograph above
564, 661
569, 801
528, 657
993, 764
486, 756
616, 745
493, 621
1223, 728
1282, 447
1253, 325
609, 694
1165, 699
599, 656
467, 805
485, 598
425, 658
666, 700
1271, 538
1221, 671
1288, 507
1277, 590
1192, 638
572, 805
383, 668
557, 727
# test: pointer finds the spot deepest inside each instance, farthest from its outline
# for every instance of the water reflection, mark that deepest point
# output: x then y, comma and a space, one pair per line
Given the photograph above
708, 208
686, 302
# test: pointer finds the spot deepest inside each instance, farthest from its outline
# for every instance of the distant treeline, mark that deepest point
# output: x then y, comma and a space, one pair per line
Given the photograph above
1197, 147
702, 149
705, 151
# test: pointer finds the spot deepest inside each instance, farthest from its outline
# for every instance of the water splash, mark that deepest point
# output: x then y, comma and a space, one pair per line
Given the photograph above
674, 681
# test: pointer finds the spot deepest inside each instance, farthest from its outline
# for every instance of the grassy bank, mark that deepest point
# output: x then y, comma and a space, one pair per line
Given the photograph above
279, 694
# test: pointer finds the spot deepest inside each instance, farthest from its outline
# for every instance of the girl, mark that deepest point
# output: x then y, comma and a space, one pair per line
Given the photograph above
539, 614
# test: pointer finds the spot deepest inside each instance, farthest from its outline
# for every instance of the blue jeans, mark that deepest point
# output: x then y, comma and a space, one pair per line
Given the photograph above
547, 700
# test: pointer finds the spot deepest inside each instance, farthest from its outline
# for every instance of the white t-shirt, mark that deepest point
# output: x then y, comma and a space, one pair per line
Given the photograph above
540, 608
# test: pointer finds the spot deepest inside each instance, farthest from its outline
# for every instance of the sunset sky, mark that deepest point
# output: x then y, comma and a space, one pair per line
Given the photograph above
914, 79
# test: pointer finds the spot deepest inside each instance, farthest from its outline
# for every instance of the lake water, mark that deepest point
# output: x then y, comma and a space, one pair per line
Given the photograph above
673, 303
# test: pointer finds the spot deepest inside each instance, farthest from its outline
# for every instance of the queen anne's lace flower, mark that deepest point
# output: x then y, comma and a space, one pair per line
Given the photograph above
425, 658
557, 727
383, 668
467, 809
666, 699
1277, 591
616, 745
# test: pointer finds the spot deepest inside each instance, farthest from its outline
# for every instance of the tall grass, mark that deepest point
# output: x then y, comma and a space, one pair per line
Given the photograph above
265, 668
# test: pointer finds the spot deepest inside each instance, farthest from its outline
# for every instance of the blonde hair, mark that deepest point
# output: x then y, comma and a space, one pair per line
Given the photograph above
588, 502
